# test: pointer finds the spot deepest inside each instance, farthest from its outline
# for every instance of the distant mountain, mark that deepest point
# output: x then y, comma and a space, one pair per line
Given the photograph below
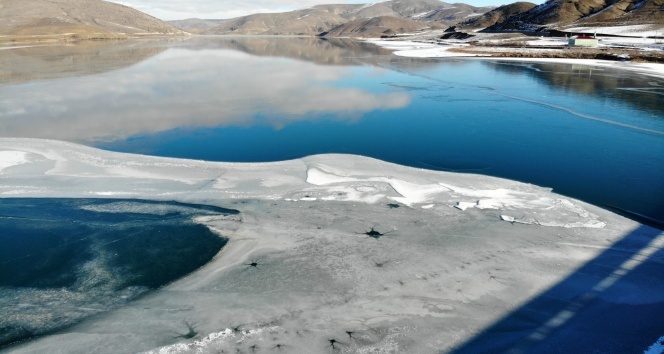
301, 22
561, 13
454, 13
323, 18
628, 12
496, 15
380, 26
195, 25
77, 18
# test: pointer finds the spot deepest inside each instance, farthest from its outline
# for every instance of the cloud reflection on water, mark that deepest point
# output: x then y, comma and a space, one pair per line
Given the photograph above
183, 88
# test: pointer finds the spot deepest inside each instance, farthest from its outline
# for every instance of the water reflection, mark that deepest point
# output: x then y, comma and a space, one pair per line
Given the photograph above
267, 99
640, 92
323, 51
181, 87
18, 65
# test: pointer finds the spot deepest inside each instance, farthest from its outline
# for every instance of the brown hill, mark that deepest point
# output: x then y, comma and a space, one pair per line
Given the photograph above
496, 15
454, 13
76, 18
322, 18
412, 9
628, 12
560, 13
195, 25
301, 22
380, 26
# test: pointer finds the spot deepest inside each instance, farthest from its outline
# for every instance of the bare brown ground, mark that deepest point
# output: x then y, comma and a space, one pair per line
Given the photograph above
517, 51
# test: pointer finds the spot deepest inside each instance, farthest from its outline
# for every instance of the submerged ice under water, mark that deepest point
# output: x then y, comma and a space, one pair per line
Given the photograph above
63, 260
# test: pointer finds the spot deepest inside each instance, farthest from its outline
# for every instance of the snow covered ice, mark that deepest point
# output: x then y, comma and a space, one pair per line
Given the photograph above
451, 255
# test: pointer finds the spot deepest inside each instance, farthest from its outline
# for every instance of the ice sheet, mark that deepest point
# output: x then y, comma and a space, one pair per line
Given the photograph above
10, 158
351, 254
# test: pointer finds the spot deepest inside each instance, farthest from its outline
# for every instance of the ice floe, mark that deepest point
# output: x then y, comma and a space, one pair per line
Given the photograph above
351, 254
12, 158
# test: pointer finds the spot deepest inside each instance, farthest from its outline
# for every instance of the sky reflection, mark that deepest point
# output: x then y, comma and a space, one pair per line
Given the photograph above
590, 133
183, 88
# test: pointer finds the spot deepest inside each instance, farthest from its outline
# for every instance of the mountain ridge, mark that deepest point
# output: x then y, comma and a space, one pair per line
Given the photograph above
323, 18
77, 19
560, 14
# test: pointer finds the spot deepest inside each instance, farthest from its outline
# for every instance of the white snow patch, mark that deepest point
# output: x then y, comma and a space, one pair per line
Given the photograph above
464, 205
508, 218
422, 14
196, 345
430, 50
108, 193
12, 158
632, 30
561, 212
328, 178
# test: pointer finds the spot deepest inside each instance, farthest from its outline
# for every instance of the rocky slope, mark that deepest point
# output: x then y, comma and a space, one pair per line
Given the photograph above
195, 25
496, 15
562, 13
629, 12
76, 18
453, 13
323, 18
379, 27
301, 22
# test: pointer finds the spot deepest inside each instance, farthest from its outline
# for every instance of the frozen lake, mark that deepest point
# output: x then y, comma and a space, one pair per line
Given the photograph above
64, 260
332, 253
591, 133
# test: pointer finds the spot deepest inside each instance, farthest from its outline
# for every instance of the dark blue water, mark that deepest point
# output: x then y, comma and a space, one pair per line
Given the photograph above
590, 133
63, 260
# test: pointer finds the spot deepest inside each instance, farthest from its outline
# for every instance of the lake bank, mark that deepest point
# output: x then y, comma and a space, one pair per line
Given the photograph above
455, 49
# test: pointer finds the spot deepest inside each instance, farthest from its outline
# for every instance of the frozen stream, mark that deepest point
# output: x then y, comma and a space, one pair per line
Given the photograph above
352, 254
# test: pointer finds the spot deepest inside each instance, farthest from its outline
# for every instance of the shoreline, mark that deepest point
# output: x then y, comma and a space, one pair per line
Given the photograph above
413, 49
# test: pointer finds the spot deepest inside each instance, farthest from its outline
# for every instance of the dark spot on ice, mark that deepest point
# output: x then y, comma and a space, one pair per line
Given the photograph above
278, 346
373, 233
393, 205
350, 334
252, 264
332, 343
190, 334
253, 347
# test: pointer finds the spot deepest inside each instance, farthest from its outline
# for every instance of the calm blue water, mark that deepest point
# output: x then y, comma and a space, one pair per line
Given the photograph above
590, 133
